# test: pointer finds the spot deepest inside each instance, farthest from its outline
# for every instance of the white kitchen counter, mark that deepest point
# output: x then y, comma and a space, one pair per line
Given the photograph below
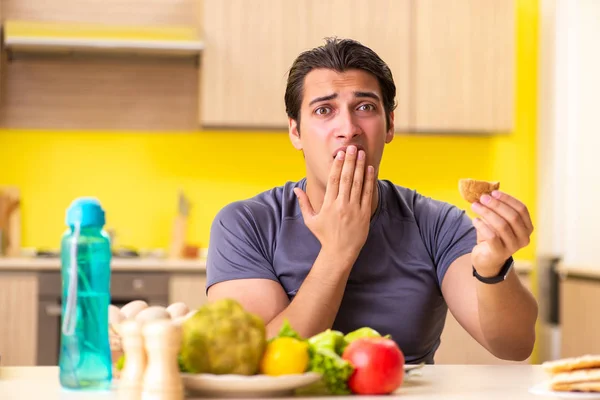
578, 271
118, 264
464, 382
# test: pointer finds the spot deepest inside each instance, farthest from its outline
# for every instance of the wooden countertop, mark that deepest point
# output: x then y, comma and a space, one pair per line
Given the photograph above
118, 264
490, 382
579, 271
523, 266
147, 264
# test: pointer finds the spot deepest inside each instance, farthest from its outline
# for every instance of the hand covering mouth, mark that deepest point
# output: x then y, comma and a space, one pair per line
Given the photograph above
344, 148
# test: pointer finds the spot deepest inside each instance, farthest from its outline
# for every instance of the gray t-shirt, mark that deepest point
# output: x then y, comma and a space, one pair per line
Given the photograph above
395, 284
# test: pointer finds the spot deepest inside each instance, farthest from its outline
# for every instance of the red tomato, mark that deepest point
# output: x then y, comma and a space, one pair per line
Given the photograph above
378, 365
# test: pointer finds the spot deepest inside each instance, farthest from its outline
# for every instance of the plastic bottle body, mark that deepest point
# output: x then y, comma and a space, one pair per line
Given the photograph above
85, 357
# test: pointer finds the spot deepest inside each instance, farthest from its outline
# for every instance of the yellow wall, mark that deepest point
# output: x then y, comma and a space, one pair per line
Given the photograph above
137, 175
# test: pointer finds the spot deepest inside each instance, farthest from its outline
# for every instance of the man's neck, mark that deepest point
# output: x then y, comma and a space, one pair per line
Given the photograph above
316, 195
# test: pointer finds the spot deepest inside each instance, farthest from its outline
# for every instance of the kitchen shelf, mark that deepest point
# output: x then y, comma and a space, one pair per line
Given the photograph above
27, 36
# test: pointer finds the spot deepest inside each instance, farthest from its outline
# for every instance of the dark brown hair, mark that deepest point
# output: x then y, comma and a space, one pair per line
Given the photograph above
339, 55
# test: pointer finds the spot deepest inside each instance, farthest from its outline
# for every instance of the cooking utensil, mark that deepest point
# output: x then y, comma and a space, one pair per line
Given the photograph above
10, 221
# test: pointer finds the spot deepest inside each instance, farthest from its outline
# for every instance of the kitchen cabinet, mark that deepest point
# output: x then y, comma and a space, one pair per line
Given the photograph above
101, 64
18, 313
452, 61
391, 40
462, 65
129, 93
579, 298
113, 12
250, 46
189, 288
30, 299
458, 347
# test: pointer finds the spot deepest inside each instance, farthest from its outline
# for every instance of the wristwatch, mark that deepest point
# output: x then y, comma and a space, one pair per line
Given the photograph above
501, 275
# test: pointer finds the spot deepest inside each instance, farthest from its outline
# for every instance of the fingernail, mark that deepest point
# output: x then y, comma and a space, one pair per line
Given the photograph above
496, 194
351, 149
370, 169
485, 199
361, 155
476, 206
340, 155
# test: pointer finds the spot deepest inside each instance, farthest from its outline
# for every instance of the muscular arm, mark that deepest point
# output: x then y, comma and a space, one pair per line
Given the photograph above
314, 307
501, 317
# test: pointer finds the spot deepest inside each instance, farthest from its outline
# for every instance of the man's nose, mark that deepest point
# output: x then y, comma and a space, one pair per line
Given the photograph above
347, 126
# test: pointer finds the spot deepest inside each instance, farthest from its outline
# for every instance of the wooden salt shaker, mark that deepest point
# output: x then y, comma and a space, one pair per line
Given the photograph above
162, 380
131, 380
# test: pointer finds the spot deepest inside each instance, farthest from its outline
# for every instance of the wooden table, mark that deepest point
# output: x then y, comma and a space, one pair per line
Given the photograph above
490, 382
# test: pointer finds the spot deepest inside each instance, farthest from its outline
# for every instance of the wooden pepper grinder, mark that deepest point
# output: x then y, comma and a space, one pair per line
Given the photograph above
132, 376
162, 380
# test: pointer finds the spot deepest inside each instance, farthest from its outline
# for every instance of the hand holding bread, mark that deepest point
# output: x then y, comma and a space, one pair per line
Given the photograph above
503, 227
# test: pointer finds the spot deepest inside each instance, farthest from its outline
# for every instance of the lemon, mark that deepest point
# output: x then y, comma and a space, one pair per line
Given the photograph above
285, 355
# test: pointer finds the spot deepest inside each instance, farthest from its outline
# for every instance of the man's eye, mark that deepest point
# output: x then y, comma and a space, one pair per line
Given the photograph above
322, 111
366, 107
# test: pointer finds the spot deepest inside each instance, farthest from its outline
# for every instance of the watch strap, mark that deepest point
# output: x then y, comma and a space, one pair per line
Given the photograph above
498, 278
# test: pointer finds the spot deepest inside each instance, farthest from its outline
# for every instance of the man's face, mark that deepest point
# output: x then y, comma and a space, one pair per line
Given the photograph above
340, 109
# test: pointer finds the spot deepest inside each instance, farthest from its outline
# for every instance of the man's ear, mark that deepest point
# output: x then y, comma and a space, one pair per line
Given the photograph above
389, 135
294, 132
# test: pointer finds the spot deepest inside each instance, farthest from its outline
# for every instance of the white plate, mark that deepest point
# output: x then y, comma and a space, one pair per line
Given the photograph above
412, 367
246, 386
543, 389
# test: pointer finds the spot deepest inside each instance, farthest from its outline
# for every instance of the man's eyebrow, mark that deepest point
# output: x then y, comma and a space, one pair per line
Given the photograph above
323, 98
371, 95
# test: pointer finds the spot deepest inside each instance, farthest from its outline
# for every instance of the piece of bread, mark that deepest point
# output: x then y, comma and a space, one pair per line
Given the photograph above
586, 361
471, 189
578, 387
581, 379
574, 374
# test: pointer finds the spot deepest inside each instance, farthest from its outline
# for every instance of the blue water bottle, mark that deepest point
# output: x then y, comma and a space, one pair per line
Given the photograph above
85, 358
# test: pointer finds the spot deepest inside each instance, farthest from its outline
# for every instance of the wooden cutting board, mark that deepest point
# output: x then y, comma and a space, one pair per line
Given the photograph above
13, 231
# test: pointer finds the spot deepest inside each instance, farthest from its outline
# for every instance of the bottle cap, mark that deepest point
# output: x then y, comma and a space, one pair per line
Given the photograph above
87, 211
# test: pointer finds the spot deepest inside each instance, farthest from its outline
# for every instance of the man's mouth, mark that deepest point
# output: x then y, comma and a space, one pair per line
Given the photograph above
344, 148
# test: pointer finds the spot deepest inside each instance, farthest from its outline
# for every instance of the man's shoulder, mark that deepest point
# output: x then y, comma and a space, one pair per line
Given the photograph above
270, 205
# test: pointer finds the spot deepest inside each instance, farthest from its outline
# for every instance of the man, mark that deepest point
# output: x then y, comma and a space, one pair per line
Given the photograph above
341, 249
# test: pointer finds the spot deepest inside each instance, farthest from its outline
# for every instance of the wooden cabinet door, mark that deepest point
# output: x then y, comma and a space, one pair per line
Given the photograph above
18, 316
463, 65
579, 316
250, 46
189, 288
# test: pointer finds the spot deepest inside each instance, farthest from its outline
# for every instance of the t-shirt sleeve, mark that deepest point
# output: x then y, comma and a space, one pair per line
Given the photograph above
447, 232
238, 247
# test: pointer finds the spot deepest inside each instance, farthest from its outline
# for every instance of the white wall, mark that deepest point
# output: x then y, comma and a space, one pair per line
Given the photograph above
569, 132
568, 221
